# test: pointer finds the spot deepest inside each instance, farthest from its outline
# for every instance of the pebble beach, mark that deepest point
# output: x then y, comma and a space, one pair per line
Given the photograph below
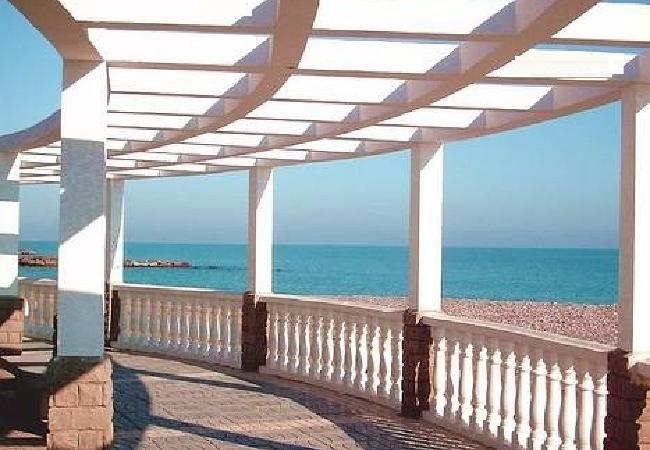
590, 322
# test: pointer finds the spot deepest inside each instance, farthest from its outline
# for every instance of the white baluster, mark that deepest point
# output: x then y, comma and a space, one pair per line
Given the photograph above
325, 343
314, 353
440, 373
215, 337
186, 316
359, 369
600, 406
176, 326
467, 380
272, 357
146, 331
303, 319
292, 363
384, 363
235, 334
553, 404
494, 389
348, 345
371, 352
156, 314
223, 332
480, 385
586, 410
165, 324
136, 319
453, 381
338, 353
538, 436
508, 393
143, 334
125, 321
523, 398
396, 333
282, 338
204, 330
568, 415
195, 324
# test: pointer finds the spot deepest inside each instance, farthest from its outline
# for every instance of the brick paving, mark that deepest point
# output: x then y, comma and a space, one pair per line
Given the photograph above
170, 404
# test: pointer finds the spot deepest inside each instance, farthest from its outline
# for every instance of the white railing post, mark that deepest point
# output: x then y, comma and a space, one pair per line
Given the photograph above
586, 409
384, 363
396, 366
302, 343
204, 330
359, 340
524, 397
314, 354
600, 408
539, 402
156, 315
371, 352
569, 404
481, 385
272, 358
337, 358
125, 321
467, 380
508, 393
282, 338
553, 439
348, 336
326, 353
494, 389
440, 375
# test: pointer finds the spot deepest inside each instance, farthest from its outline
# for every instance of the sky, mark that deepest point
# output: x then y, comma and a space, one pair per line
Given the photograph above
553, 184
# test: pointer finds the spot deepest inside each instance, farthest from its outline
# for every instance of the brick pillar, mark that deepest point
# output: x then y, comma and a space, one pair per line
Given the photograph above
12, 322
80, 412
253, 333
111, 315
627, 423
416, 379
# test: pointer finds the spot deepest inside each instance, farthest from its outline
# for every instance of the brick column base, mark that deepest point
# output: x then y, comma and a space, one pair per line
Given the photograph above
80, 412
253, 333
416, 380
627, 423
12, 324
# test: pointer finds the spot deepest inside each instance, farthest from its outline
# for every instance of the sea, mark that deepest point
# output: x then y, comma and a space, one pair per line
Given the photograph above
540, 274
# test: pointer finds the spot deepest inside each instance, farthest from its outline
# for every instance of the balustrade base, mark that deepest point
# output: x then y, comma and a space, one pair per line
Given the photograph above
12, 325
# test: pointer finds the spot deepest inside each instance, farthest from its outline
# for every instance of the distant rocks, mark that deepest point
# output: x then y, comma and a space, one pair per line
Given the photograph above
29, 258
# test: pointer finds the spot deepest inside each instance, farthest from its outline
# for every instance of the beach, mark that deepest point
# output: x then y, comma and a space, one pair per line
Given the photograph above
590, 322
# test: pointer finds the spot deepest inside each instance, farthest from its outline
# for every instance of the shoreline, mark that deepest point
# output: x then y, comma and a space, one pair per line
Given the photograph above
598, 323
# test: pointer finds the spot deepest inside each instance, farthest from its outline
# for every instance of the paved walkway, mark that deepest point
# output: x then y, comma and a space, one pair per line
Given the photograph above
167, 404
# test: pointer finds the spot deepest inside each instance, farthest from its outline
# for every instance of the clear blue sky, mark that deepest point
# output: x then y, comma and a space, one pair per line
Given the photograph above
550, 185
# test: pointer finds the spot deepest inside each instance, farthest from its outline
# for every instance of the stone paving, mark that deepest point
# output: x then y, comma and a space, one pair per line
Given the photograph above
170, 404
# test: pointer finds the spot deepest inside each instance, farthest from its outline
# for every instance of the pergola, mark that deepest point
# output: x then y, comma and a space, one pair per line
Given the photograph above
176, 88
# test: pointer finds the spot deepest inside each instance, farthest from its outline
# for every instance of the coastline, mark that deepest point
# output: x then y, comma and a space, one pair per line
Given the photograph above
597, 323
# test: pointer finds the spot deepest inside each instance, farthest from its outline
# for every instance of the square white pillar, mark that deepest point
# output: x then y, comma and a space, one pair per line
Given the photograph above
634, 225
115, 231
425, 228
82, 223
9, 223
260, 230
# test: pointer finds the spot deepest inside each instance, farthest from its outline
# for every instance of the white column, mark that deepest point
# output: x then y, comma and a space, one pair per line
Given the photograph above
115, 231
82, 223
9, 223
260, 230
425, 225
634, 228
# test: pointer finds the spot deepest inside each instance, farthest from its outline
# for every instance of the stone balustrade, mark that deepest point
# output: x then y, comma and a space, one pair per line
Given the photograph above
513, 388
40, 307
502, 385
356, 349
189, 323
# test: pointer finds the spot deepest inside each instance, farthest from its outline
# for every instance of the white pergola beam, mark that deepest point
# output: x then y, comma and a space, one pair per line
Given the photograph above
260, 230
425, 228
9, 223
634, 252
82, 223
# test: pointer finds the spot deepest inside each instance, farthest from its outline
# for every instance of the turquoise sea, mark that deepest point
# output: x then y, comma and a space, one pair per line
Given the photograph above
571, 275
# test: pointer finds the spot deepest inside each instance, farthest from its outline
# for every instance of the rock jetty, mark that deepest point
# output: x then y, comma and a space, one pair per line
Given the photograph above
29, 258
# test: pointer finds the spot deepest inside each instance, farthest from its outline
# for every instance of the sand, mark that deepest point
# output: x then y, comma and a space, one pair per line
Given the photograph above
591, 322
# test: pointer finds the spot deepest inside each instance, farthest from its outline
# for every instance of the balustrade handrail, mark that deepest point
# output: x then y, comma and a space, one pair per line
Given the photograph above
524, 336
355, 307
185, 291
